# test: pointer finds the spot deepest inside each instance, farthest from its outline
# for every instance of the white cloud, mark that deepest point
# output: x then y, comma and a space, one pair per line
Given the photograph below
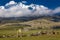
2, 7
20, 10
24, 2
57, 10
10, 3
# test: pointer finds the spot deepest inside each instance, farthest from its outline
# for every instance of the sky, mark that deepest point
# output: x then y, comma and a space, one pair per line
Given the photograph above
48, 3
27, 8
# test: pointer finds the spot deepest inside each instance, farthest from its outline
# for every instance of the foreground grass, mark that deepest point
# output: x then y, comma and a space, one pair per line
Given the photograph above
42, 37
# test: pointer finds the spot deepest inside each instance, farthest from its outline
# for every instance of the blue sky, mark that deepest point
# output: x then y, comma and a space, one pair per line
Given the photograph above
48, 3
28, 8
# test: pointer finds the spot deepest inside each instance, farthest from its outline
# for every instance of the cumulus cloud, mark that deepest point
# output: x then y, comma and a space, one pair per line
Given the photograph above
19, 10
57, 10
24, 2
10, 3
2, 7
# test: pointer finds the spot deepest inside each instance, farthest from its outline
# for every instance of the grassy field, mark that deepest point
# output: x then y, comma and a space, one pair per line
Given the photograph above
9, 31
43, 37
40, 37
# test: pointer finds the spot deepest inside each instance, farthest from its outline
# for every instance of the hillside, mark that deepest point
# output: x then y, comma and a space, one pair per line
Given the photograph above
43, 23
36, 23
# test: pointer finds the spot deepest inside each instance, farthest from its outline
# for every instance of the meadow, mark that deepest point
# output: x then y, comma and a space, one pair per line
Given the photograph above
40, 37
38, 30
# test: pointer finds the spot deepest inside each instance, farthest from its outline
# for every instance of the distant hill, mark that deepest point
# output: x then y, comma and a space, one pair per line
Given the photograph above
55, 18
46, 21
38, 23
